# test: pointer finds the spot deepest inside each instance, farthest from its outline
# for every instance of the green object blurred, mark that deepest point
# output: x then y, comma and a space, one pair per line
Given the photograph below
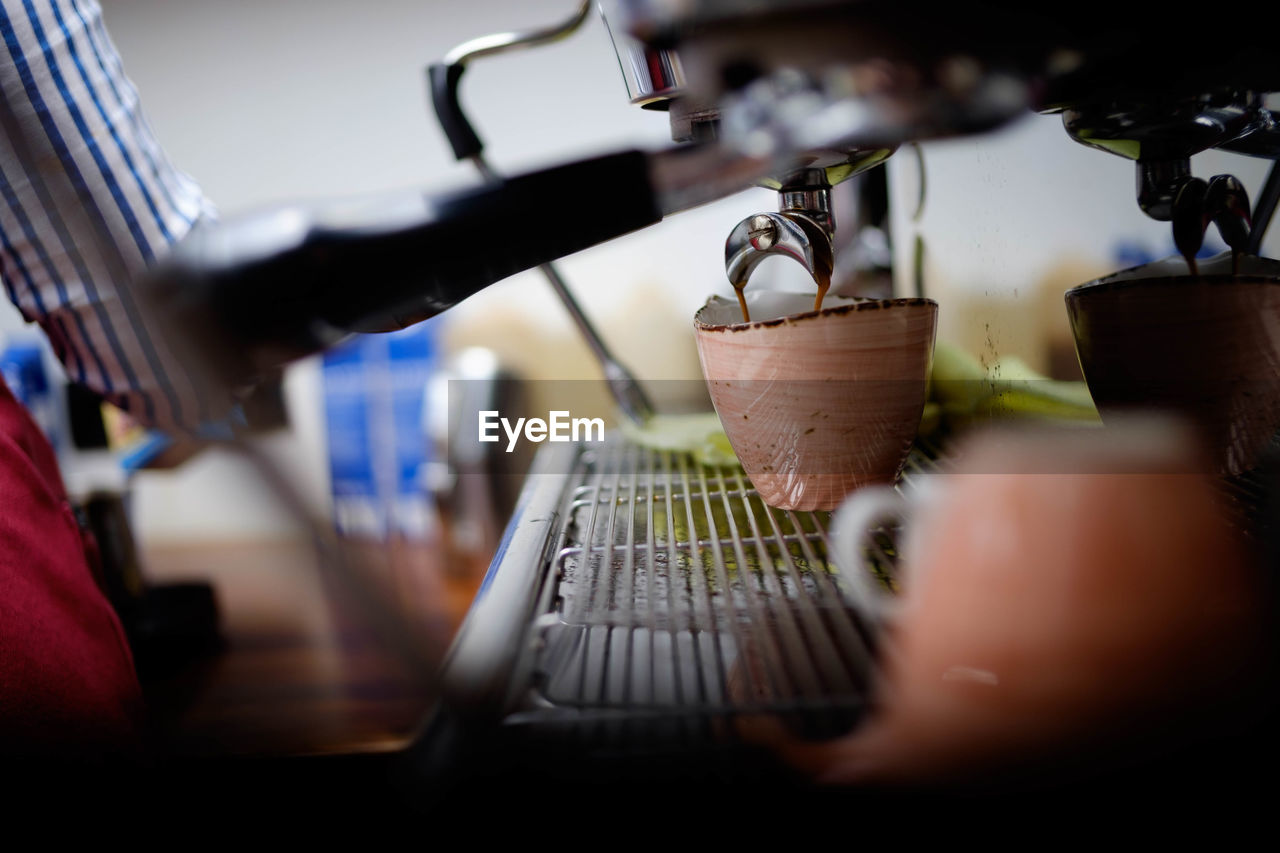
698, 434
965, 390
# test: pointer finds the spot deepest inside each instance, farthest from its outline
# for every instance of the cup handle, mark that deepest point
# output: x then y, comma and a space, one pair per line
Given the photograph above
851, 528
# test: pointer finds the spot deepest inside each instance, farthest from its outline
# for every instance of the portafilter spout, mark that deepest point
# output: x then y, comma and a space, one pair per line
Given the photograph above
801, 230
1162, 135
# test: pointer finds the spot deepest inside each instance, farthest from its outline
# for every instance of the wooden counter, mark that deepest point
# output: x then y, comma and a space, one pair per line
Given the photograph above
301, 670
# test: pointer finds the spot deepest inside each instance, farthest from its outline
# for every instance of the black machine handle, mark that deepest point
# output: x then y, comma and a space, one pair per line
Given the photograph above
443, 77
443, 82
240, 298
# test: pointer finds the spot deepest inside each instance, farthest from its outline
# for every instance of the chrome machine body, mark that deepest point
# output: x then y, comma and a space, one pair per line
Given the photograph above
838, 84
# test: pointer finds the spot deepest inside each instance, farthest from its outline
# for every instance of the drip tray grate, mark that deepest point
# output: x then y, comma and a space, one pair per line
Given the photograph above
677, 591
674, 601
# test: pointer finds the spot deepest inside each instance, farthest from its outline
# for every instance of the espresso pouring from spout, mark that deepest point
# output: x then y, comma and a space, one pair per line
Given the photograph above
801, 230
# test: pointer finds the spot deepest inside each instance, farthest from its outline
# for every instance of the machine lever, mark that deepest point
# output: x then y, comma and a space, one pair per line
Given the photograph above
444, 78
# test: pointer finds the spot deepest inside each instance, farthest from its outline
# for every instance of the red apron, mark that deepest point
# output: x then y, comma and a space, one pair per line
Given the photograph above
67, 681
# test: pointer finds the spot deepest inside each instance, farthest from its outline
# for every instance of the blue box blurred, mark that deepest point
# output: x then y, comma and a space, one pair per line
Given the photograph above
374, 389
26, 374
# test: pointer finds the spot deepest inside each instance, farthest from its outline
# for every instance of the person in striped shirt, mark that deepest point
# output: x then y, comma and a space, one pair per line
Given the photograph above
88, 200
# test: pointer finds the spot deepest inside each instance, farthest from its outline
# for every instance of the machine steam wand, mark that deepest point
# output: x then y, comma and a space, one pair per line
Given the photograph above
444, 78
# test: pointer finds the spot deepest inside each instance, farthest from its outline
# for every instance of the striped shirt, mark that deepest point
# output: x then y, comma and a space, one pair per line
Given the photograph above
88, 200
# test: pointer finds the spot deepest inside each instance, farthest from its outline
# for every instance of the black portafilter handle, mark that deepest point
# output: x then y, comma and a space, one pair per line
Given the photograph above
237, 300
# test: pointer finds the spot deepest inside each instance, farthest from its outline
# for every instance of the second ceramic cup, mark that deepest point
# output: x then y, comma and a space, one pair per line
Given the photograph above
817, 403
1204, 347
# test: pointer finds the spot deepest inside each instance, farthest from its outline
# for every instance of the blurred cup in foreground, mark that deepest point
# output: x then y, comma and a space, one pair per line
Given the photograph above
817, 403
1061, 589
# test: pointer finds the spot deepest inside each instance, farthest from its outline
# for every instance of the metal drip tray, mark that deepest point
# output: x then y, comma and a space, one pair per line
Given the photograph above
643, 605
673, 592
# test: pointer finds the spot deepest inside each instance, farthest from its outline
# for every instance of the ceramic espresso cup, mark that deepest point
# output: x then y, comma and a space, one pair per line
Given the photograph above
817, 403
1206, 348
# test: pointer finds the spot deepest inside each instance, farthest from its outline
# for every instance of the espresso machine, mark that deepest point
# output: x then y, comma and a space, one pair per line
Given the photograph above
639, 605
797, 96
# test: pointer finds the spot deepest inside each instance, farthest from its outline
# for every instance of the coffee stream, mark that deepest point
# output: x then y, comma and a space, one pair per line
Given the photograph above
740, 289
823, 280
